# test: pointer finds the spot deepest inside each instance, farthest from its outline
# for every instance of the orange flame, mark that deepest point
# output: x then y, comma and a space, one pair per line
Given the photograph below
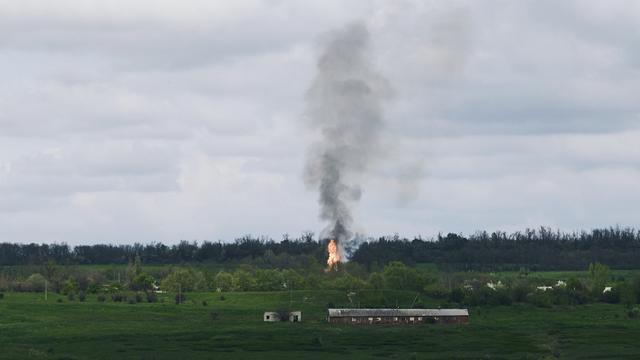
334, 256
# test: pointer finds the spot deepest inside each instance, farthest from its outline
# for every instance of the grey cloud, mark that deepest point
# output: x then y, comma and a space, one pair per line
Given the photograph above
124, 121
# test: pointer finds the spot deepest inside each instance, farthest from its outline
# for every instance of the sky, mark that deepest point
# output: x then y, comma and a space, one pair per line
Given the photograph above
143, 121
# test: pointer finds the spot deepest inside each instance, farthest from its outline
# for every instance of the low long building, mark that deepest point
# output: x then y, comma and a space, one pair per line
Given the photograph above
398, 316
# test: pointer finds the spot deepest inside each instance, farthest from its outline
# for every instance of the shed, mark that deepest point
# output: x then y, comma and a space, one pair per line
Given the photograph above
398, 316
274, 316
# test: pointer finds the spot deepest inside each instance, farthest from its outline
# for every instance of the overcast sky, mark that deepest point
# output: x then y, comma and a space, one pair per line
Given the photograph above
125, 121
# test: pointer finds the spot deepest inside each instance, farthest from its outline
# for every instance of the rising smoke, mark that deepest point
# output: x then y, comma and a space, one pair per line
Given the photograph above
344, 113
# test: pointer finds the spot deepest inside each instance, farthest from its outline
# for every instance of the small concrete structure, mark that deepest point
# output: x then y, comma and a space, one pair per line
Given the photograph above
292, 316
271, 316
398, 316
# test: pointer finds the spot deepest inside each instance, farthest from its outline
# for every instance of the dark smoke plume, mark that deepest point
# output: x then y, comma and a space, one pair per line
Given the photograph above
344, 113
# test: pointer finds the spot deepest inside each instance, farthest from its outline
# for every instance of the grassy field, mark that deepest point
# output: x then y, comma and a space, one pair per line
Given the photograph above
31, 328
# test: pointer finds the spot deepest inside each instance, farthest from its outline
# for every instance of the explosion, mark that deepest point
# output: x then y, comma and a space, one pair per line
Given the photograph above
343, 116
334, 255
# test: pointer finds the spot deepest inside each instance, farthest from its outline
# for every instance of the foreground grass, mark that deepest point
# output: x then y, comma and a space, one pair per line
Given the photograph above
33, 328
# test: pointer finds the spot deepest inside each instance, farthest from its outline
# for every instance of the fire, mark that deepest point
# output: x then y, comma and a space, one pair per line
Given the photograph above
334, 256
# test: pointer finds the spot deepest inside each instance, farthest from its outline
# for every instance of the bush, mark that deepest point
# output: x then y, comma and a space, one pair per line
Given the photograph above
132, 301
35, 282
611, 297
540, 298
101, 298
59, 300
456, 296
204, 303
213, 315
118, 297
71, 297
222, 298
180, 298
138, 297
1, 295
520, 290
578, 297
82, 296
634, 313
70, 286
152, 297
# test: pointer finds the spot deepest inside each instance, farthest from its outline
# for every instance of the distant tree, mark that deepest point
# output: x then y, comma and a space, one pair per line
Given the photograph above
35, 282
134, 269
184, 279
70, 286
269, 280
599, 274
376, 281
142, 282
223, 281
242, 281
399, 276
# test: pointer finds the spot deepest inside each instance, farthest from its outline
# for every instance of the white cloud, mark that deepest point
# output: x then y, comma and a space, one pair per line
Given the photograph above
163, 120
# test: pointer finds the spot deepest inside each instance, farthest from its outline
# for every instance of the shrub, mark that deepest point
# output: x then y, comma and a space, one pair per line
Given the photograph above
118, 297
540, 298
187, 279
612, 296
82, 296
132, 301
71, 297
213, 315
35, 282
204, 303
59, 300
634, 313
180, 298
222, 298
456, 296
138, 297
520, 290
152, 297
70, 286
1, 295
436, 291
578, 297
101, 298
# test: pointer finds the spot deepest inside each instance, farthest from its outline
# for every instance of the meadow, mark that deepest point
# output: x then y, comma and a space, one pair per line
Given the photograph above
229, 326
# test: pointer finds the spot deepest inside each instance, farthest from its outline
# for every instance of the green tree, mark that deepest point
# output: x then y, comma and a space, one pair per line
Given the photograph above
292, 279
599, 274
376, 281
242, 281
142, 282
70, 286
134, 269
223, 281
184, 279
349, 283
269, 280
399, 276
35, 282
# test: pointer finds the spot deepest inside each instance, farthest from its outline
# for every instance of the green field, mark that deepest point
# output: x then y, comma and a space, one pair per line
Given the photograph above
31, 328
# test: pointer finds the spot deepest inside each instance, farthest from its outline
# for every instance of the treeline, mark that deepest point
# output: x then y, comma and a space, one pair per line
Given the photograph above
284, 253
541, 249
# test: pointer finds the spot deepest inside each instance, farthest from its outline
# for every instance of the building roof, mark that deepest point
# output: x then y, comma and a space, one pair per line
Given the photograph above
397, 312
